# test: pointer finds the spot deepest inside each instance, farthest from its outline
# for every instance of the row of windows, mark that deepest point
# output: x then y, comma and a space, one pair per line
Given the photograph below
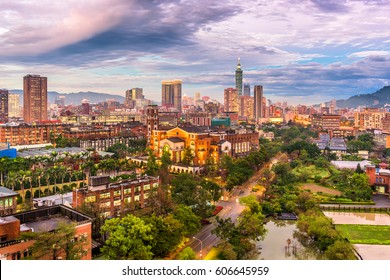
92, 198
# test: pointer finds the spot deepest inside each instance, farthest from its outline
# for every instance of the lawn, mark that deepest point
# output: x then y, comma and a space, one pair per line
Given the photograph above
316, 188
365, 234
312, 171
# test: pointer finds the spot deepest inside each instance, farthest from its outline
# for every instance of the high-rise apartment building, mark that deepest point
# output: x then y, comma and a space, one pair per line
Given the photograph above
230, 100
258, 103
13, 105
171, 94
34, 98
132, 95
3, 106
239, 78
246, 107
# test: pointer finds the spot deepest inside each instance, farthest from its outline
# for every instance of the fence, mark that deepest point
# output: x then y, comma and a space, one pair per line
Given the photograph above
345, 208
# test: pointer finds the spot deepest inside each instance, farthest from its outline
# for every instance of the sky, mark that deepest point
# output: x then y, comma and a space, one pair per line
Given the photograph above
300, 51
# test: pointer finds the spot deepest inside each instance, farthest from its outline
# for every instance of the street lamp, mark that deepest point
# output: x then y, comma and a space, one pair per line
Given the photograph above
201, 246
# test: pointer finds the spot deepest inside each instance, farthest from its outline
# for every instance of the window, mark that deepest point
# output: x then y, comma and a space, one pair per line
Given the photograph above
127, 191
117, 193
105, 204
105, 195
146, 195
137, 189
136, 198
117, 202
155, 185
91, 198
146, 187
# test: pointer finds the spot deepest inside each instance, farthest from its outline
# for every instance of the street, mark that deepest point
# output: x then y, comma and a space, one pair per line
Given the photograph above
204, 240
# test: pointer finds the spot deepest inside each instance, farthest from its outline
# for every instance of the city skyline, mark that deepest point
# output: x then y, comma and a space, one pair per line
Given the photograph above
305, 53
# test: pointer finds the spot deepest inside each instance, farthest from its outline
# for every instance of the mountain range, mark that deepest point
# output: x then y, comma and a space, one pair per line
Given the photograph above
375, 100
76, 98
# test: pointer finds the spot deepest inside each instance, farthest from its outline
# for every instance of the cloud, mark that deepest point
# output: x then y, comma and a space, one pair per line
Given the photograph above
293, 48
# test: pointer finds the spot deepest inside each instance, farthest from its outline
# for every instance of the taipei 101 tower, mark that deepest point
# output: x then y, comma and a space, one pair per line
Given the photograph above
239, 78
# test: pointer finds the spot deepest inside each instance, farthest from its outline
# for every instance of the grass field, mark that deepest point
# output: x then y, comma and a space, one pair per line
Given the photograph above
365, 234
316, 188
312, 171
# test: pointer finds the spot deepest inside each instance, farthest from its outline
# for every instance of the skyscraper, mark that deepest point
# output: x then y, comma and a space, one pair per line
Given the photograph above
34, 98
258, 103
13, 105
239, 78
247, 89
3, 106
230, 99
132, 95
171, 94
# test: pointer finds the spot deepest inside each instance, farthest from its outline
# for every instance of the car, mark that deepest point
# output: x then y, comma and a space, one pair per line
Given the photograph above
205, 222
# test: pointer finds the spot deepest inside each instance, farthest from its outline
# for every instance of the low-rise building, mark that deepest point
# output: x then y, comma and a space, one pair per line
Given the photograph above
115, 198
41, 220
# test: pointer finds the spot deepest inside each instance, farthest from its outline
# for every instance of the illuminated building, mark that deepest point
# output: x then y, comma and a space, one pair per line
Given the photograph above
34, 98
171, 94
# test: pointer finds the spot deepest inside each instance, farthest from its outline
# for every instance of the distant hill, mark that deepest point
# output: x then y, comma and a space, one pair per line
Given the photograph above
376, 99
76, 98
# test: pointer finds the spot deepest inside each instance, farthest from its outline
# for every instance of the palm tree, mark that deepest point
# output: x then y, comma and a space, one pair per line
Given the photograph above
39, 173
12, 179
5, 163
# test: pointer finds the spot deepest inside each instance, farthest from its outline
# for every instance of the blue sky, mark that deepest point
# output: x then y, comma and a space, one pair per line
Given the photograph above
304, 52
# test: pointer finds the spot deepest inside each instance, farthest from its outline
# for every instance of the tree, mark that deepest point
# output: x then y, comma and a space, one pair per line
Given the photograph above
358, 169
187, 254
167, 234
151, 165
188, 156
212, 188
190, 221
340, 250
59, 243
128, 238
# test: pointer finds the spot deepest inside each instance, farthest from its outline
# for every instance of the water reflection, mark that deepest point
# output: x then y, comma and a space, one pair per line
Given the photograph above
359, 218
280, 243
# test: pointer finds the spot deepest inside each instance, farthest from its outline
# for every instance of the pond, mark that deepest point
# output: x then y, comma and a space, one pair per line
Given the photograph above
275, 247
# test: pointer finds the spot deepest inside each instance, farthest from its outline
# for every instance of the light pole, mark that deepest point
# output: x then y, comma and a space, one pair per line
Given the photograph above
201, 246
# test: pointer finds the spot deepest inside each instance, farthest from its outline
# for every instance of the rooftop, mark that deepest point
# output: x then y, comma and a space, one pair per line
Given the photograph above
4, 192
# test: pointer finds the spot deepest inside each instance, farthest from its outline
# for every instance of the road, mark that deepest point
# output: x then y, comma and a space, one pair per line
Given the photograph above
204, 240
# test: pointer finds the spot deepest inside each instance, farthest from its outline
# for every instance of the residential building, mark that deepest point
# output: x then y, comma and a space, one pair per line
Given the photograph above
3, 106
34, 98
258, 103
370, 118
231, 100
171, 94
246, 107
14, 105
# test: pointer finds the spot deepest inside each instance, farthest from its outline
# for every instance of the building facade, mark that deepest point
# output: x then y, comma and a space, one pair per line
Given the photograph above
3, 106
41, 220
246, 106
171, 94
239, 78
230, 98
258, 103
14, 105
34, 98
115, 198
370, 118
